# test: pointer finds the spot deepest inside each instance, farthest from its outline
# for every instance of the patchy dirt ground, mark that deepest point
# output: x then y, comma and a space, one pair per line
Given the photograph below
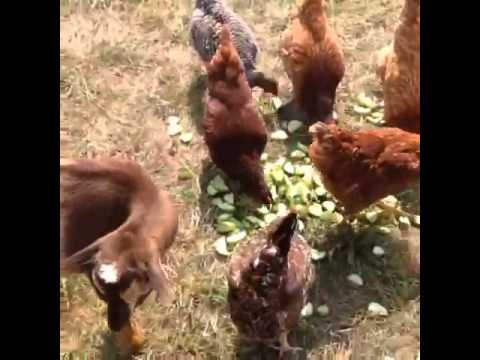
125, 67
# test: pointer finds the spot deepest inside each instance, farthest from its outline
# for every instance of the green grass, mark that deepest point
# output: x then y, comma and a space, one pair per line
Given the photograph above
125, 67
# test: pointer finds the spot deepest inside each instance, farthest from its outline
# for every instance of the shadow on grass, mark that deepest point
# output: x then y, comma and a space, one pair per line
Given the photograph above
410, 199
386, 281
195, 95
290, 111
245, 205
109, 349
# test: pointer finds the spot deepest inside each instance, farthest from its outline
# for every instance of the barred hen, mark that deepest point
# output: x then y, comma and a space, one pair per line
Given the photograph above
399, 70
115, 227
360, 168
268, 280
234, 132
208, 19
313, 60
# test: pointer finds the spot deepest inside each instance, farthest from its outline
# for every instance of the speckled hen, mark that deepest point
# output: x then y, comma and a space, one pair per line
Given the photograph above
208, 18
268, 279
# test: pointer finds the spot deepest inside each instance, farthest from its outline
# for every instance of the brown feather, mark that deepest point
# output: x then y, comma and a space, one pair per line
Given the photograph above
234, 132
360, 168
313, 60
399, 70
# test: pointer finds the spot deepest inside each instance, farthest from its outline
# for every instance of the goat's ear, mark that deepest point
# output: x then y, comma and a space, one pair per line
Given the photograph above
159, 281
76, 262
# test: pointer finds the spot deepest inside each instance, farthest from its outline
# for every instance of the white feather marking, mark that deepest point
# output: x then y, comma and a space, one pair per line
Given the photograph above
108, 273
271, 251
256, 262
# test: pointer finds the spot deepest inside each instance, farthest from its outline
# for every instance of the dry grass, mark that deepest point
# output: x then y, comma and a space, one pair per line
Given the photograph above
126, 66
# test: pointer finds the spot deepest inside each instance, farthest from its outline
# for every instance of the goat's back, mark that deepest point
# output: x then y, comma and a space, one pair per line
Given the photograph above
91, 205
99, 196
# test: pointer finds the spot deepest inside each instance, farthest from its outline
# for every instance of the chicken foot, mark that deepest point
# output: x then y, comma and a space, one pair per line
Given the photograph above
284, 347
393, 210
345, 230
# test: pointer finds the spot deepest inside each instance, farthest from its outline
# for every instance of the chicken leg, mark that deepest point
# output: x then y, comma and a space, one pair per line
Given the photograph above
346, 229
284, 347
346, 235
394, 211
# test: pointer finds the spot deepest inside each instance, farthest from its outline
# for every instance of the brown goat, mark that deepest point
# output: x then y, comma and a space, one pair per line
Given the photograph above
115, 226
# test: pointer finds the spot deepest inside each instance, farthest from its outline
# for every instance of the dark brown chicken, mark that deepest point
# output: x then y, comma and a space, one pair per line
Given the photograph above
115, 227
234, 132
268, 280
360, 168
399, 70
314, 63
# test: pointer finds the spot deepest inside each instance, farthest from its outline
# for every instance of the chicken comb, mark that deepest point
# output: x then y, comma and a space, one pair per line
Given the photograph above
309, 13
225, 36
226, 60
306, 3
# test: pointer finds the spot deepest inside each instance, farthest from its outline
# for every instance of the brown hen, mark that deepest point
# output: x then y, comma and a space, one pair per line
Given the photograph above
314, 62
268, 280
360, 168
399, 70
234, 132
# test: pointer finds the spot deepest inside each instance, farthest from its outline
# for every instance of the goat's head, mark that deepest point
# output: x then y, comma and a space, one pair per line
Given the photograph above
120, 264
122, 257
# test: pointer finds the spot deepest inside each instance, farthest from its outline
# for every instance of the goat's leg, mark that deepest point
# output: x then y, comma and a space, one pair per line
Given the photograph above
130, 338
129, 335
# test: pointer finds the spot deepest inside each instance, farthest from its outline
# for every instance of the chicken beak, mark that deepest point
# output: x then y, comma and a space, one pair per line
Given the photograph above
270, 201
330, 119
318, 128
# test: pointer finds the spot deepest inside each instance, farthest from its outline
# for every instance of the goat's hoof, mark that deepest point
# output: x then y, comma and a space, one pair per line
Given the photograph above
130, 339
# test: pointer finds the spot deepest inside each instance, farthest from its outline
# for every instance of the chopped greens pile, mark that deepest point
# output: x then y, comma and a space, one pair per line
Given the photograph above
294, 184
368, 109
